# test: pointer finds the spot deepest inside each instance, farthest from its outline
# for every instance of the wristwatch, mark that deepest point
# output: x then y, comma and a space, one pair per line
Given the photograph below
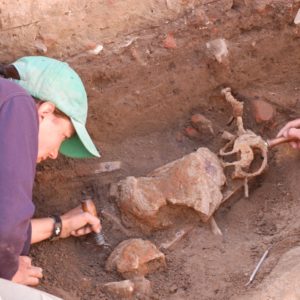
57, 228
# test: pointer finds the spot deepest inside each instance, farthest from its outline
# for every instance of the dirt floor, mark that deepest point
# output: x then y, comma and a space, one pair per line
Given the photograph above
146, 104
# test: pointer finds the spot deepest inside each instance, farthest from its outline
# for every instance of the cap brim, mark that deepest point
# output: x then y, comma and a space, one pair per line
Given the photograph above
80, 145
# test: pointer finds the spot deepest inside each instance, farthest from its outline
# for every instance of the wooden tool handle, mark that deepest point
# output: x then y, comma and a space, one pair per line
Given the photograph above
88, 205
278, 141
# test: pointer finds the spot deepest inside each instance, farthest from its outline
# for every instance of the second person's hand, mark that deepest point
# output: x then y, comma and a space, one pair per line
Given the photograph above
291, 130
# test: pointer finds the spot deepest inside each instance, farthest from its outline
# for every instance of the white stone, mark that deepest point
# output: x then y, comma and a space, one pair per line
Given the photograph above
218, 48
96, 50
297, 18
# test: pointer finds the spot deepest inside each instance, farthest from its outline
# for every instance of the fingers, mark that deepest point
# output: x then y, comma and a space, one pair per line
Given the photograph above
81, 231
289, 125
34, 276
94, 222
79, 224
27, 274
293, 133
35, 272
33, 281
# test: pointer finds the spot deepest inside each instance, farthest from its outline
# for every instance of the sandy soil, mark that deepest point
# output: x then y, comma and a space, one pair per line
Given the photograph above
145, 133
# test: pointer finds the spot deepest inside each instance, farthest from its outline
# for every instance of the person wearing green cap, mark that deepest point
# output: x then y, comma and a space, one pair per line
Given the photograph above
43, 111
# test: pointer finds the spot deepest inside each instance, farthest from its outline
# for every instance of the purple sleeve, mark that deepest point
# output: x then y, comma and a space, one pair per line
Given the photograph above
18, 152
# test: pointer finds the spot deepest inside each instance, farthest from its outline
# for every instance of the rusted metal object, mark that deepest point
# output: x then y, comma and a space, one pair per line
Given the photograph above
244, 143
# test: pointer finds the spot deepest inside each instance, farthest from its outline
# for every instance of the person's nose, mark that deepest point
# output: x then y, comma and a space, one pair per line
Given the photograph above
53, 154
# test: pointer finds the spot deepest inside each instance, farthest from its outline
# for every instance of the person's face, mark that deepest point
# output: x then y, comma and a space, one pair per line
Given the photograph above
53, 130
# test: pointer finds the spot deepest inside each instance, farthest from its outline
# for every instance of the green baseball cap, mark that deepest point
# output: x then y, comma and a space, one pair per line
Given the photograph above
51, 80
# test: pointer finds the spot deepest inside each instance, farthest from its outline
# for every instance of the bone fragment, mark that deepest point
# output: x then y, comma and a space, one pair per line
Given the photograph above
227, 136
179, 235
108, 167
214, 227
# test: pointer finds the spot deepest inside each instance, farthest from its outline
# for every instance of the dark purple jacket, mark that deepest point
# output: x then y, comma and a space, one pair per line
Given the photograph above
18, 154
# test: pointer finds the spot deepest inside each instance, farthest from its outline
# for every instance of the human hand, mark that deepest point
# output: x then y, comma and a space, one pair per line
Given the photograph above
291, 130
76, 222
27, 274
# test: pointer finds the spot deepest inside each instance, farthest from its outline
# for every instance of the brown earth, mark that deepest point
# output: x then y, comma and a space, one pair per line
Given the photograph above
142, 96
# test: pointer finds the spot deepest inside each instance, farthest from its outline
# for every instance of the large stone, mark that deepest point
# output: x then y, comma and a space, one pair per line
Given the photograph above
193, 182
136, 288
282, 283
135, 257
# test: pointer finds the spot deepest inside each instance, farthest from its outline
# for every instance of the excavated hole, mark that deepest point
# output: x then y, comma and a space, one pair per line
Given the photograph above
139, 116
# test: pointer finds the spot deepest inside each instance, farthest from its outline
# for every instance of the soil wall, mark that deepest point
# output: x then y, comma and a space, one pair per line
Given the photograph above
137, 83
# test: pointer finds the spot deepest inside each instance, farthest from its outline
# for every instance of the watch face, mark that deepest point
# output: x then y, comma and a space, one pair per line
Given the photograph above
57, 231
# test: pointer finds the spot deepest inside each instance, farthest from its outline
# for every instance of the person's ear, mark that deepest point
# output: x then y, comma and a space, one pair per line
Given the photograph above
45, 109
9, 71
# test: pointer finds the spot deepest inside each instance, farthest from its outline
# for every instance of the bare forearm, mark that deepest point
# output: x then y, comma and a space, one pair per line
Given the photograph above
75, 222
41, 229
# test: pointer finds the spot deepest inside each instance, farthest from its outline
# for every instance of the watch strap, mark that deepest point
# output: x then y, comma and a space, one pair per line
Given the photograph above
57, 228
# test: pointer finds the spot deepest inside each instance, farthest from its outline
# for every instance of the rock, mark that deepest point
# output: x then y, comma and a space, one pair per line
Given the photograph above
297, 18
219, 49
282, 283
135, 257
169, 42
202, 123
192, 133
194, 182
89, 45
40, 46
138, 287
142, 287
120, 289
263, 111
